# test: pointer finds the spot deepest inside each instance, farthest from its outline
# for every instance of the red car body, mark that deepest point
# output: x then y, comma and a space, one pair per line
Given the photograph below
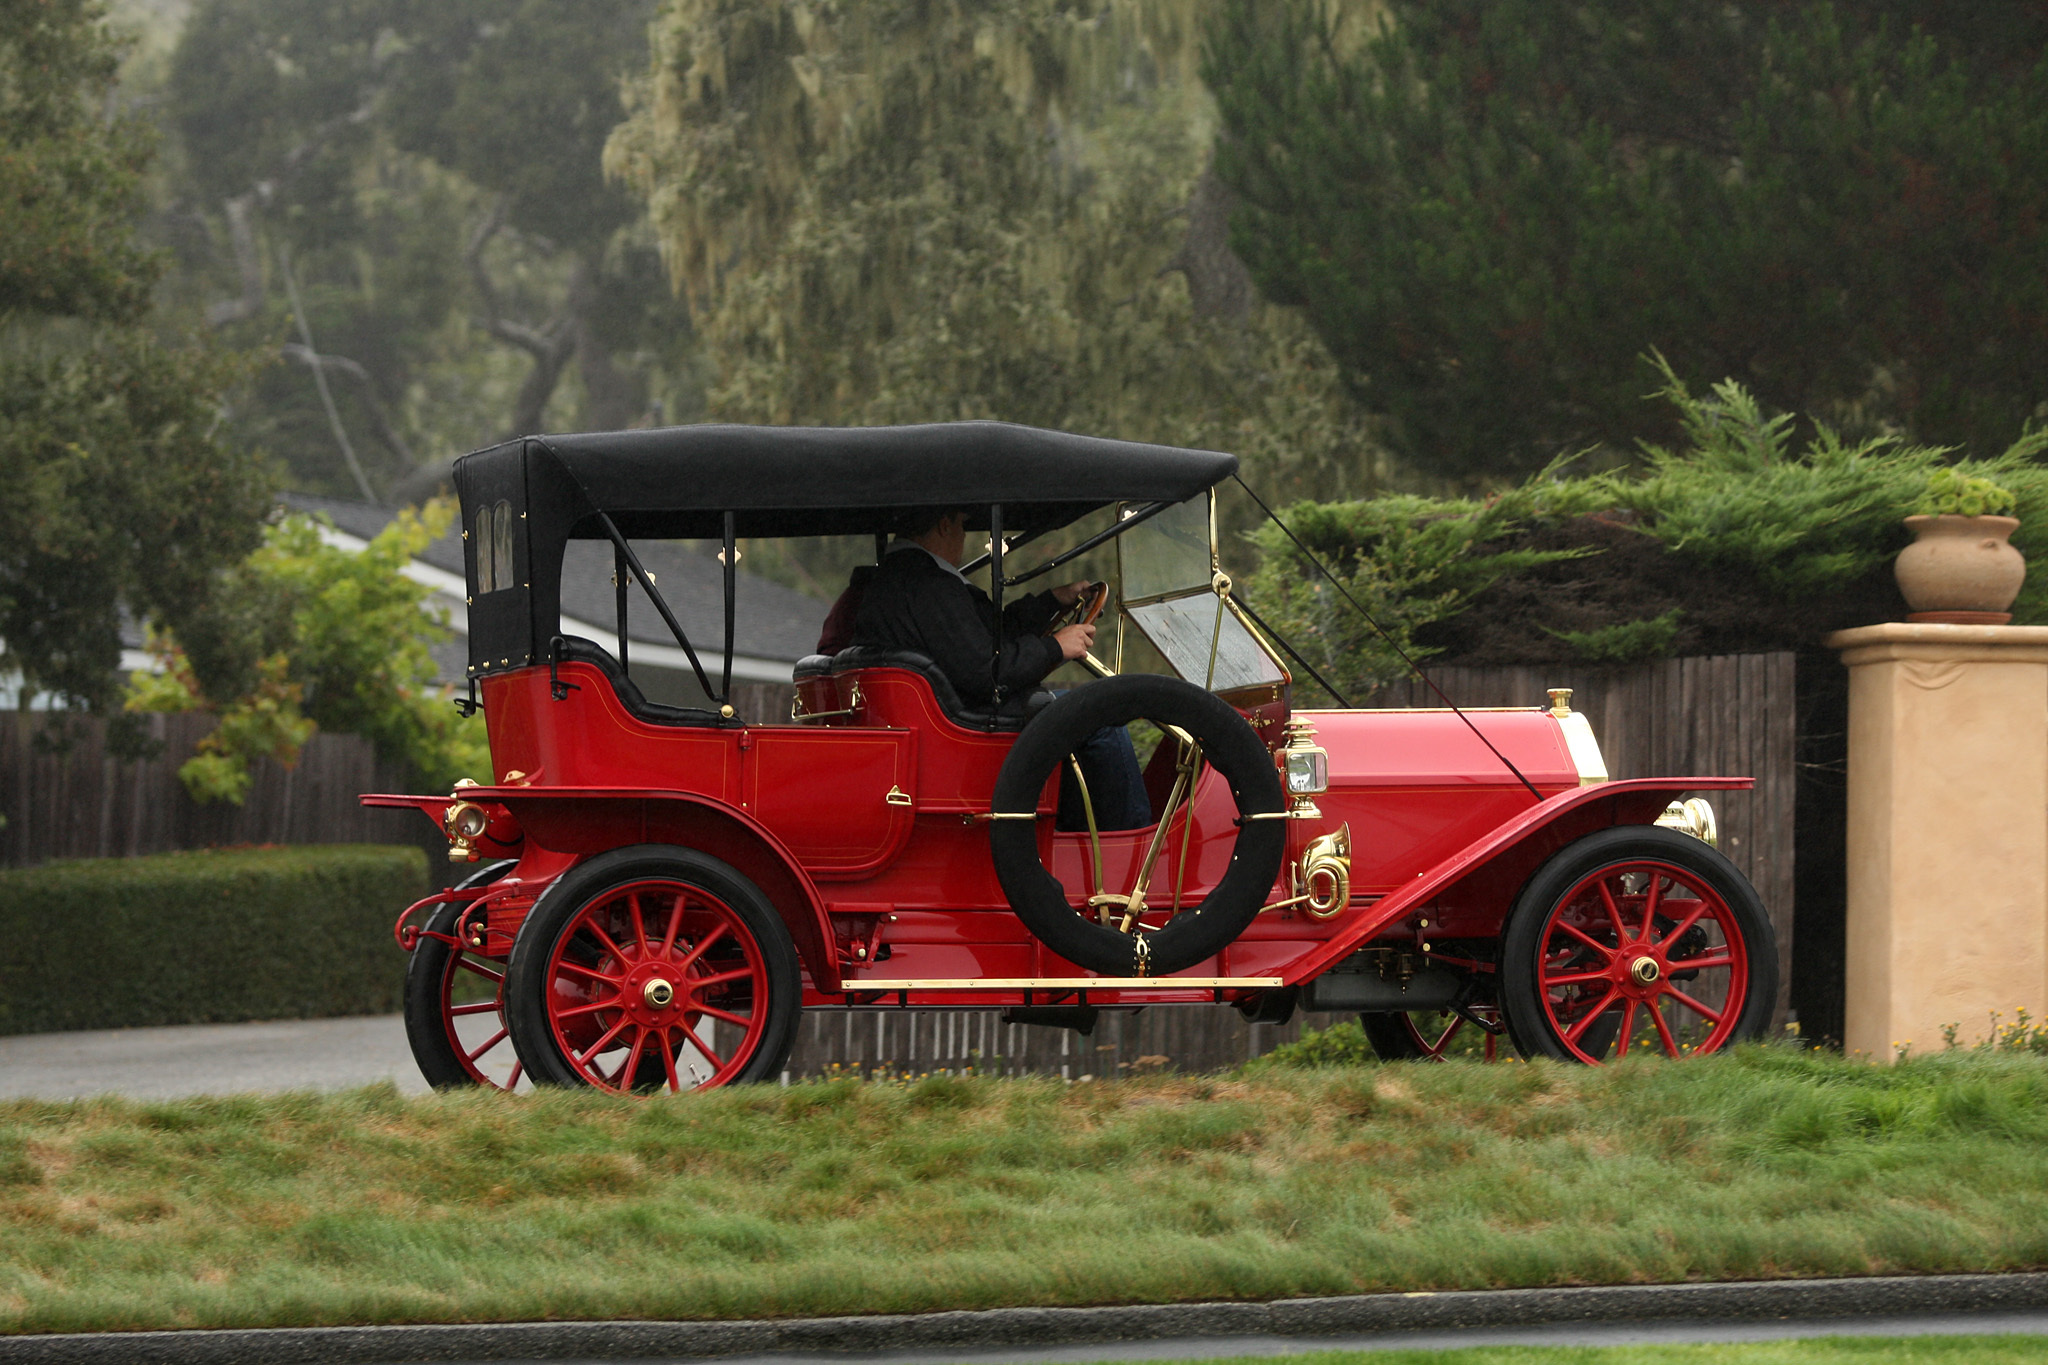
867, 826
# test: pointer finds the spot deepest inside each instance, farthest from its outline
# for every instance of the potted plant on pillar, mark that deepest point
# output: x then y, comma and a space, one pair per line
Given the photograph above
1961, 568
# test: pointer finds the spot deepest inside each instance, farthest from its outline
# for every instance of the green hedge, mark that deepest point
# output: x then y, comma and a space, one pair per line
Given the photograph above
204, 937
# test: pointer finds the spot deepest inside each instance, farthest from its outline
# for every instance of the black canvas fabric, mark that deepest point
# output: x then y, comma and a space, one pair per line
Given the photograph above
682, 483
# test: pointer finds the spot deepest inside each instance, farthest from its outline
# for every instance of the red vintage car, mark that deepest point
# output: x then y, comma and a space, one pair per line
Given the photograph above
661, 889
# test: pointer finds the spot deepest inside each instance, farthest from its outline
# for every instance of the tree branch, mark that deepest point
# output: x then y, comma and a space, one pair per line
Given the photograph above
380, 416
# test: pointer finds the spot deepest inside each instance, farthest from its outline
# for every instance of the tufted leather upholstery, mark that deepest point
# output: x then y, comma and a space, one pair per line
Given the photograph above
1012, 715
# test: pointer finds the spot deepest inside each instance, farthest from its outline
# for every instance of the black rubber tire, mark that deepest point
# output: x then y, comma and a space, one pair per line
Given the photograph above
526, 981
1528, 1023
1389, 1036
1229, 745
426, 975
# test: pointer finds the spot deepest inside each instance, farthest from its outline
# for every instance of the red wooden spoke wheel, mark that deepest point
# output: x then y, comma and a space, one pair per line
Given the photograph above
653, 969
1429, 1035
1637, 940
454, 1004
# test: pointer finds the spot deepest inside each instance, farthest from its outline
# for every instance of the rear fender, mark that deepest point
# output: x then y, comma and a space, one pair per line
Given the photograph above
1495, 867
587, 820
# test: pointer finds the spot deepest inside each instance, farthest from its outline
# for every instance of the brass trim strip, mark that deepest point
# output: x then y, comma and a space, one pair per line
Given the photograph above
1066, 983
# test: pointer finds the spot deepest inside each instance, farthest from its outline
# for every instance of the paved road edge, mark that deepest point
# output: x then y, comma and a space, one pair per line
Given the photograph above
1746, 1301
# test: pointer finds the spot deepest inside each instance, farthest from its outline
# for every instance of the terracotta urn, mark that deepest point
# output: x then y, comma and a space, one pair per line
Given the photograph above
1961, 569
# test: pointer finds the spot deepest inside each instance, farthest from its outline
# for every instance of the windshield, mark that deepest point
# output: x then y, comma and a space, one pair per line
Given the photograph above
1169, 593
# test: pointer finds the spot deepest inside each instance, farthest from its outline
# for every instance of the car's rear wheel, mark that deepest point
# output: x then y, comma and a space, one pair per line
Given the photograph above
1637, 939
454, 1006
653, 968
1431, 1035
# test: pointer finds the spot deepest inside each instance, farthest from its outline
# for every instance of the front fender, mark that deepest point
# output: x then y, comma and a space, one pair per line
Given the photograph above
587, 820
1530, 838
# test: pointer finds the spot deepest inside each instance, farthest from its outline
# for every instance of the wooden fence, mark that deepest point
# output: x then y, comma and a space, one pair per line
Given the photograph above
64, 796
914, 1042
1728, 715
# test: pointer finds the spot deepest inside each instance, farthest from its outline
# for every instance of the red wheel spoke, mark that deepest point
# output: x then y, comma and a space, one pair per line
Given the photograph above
1663, 1031
614, 1031
1572, 1035
702, 943
1613, 913
720, 978
593, 973
639, 924
1443, 1040
1587, 938
1575, 978
1688, 964
590, 923
623, 1077
1628, 1029
698, 1043
518, 1070
1686, 923
610, 1002
470, 964
1695, 1006
481, 1007
668, 1054
1650, 899
675, 925
488, 1044
726, 1015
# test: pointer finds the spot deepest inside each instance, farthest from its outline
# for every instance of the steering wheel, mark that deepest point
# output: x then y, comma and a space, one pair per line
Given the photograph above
1083, 610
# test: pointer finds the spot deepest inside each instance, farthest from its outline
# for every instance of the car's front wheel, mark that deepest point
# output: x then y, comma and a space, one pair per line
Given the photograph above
653, 968
1636, 939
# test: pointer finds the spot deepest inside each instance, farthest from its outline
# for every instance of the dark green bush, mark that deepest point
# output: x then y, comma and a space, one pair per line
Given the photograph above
204, 937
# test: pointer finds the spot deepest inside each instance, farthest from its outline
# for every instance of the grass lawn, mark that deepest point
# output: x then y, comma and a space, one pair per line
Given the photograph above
850, 1197
1984, 1350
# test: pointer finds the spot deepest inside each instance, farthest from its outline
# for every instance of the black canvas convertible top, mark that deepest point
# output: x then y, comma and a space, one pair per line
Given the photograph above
524, 499
678, 482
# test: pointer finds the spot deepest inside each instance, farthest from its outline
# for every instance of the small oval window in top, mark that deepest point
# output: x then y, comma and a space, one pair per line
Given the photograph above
483, 544
501, 551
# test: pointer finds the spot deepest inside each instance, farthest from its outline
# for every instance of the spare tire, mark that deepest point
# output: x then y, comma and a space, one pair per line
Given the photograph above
1229, 745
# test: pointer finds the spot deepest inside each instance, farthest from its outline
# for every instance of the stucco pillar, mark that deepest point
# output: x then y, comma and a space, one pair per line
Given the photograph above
1948, 831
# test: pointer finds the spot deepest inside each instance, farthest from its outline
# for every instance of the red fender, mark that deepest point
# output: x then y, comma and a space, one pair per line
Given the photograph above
1528, 840
587, 820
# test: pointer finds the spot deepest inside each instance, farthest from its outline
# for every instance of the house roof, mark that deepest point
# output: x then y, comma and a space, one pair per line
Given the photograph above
774, 625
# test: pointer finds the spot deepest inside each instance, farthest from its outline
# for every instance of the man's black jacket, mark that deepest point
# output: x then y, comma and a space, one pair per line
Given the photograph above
913, 603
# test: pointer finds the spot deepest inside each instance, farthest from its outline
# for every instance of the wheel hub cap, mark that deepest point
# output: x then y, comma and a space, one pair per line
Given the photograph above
1645, 971
658, 994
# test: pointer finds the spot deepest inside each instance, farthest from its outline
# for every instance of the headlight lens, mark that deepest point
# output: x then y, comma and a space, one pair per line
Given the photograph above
1308, 772
467, 821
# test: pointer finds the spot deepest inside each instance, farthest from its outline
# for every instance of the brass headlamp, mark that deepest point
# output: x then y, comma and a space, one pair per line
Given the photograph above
1304, 769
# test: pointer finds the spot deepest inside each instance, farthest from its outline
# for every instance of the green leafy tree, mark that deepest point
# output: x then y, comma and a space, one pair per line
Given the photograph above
119, 493
906, 212
1489, 209
406, 204
310, 636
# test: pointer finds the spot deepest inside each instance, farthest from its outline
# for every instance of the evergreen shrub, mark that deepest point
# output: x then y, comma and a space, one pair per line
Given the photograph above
204, 937
1735, 539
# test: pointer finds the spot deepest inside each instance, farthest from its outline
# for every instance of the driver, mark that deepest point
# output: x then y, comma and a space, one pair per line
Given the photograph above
918, 599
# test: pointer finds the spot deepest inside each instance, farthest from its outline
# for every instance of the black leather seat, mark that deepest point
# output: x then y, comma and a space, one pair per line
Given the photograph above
811, 666
1014, 714
575, 647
